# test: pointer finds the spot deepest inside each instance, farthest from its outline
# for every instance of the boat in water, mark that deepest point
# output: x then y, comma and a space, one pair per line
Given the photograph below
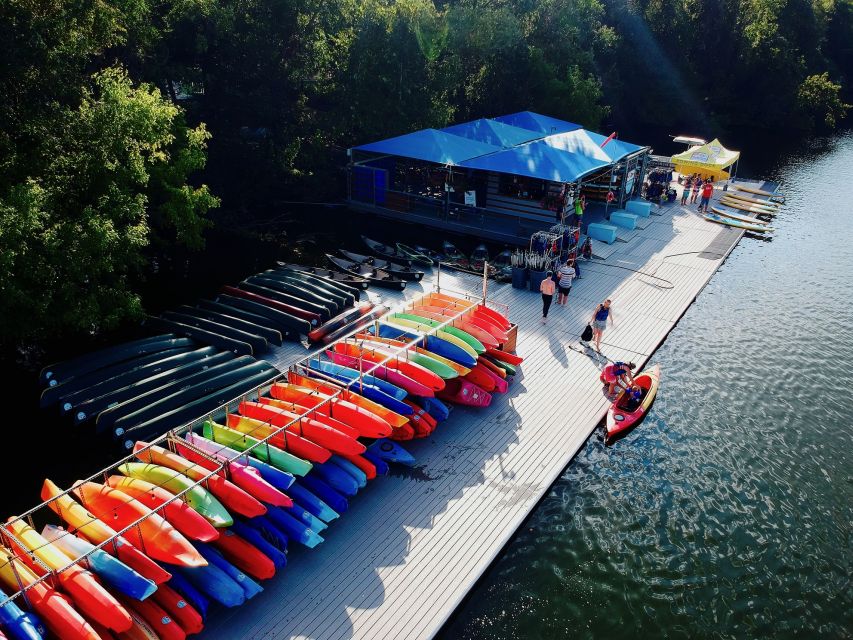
626, 411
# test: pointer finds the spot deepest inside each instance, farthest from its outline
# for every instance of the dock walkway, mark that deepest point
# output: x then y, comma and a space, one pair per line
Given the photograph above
414, 543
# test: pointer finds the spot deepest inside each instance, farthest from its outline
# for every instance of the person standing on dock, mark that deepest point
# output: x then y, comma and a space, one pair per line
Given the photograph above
685, 192
567, 274
707, 192
695, 193
599, 322
547, 289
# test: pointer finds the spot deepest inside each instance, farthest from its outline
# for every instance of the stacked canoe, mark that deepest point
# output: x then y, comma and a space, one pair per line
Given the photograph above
280, 469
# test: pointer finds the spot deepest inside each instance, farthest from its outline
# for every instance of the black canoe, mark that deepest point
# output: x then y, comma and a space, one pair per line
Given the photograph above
258, 343
305, 292
229, 320
375, 314
197, 409
248, 316
92, 407
296, 326
376, 276
343, 295
288, 299
200, 335
60, 371
341, 320
394, 268
131, 375
309, 316
56, 392
319, 288
387, 251
329, 275
172, 396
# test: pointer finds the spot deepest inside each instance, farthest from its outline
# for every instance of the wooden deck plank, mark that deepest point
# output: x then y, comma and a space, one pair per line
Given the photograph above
412, 544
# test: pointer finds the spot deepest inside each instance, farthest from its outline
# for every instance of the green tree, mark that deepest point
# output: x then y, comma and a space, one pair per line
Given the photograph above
72, 232
820, 98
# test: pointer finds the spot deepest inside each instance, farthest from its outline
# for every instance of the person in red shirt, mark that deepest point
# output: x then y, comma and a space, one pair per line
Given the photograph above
707, 192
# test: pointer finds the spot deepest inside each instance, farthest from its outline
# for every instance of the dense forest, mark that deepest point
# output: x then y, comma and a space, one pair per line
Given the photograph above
127, 126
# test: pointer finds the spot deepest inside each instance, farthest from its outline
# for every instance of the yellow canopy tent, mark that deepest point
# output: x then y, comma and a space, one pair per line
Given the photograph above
711, 159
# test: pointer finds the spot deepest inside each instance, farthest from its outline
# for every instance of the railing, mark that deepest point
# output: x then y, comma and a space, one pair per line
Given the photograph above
50, 576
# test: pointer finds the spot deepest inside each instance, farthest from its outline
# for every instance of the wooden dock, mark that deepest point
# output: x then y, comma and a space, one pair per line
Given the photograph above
414, 543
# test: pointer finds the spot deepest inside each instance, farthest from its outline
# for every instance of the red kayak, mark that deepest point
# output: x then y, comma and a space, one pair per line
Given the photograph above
292, 443
313, 430
230, 495
627, 412
383, 373
366, 422
245, 556
156, 617
397, 362
183, 517
464, 392
297, 411
178, 609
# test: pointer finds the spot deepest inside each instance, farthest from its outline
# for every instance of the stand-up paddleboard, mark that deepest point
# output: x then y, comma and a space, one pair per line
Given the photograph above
735, 216
713, 217
757, 192
745, 198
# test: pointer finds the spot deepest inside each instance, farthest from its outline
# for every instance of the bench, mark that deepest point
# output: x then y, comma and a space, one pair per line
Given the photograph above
624, 220
604, 232
639, 208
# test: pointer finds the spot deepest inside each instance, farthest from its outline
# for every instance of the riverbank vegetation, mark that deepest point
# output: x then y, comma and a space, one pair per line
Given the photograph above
125, 124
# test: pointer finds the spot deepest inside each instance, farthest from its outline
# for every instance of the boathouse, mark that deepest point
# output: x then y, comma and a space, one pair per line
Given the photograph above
502, 178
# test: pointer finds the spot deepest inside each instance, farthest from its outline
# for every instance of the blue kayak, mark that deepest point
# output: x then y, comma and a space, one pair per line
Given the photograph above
196, 598
336, 478
19, 624
371, 392
391, 452
358, 475
438, 346
352, 374
311, 503
108, 568
292, 528
249, 587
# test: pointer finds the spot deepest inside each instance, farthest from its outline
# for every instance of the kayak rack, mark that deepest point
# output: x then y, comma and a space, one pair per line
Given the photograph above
168, 439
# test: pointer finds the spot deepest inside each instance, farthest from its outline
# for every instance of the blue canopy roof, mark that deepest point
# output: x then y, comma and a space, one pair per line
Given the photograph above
616, 149
537, 122
493, 132
540, 159
431, 145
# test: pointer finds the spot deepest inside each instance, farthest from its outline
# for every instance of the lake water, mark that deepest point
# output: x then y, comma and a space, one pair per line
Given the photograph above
728, 512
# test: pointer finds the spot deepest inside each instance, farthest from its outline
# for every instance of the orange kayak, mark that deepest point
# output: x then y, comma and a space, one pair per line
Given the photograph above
54, 609
82, 521
313, 430
87, 593
183, 517
474, 317
391, 417
298, 411
229, 494
366, 422
154, 534
465, 323
462, 304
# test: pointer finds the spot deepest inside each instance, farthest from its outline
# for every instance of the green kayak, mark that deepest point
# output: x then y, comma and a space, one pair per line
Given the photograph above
472, 342
198, 498
506, 366
267, 453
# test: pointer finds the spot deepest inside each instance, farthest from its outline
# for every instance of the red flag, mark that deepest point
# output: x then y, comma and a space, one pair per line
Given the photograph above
609, 138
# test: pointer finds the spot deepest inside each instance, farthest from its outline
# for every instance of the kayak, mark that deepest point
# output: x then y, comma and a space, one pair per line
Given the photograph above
247, 584
425, 326
298, 412
390, 360
432, 361
154, 535
313, 430
414, 255
215, 583
97, 532
140, 630
388, 251
391, 452
279, 479
244, 555
498, 317
157, 619
291, 443
21, 625
473, 317
230, 495
86, 592
177, 608
339, 321
469, 339
464, 392
333, 302
243, 476
625, 413
110, 570
197, 497
462, 323
394, 419
504, 356
385, 373
432, 343
368, 424
713, 217
266, 452
397, 269
53, 608
182, 516
736, 216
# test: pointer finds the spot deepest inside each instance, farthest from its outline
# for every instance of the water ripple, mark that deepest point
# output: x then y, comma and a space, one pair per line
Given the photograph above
728, 512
